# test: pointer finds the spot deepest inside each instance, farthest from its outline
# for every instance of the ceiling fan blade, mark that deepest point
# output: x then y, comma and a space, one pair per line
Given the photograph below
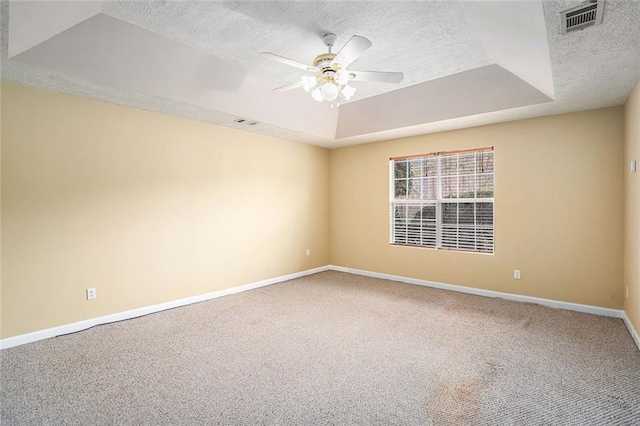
288, 87
288, 61
378, 76
350, 51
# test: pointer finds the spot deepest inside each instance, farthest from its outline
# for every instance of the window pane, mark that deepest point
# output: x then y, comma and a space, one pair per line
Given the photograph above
484, 239
429, 235
485, 186
400, 169
466, 164
450, 187
415, 189
431, 188
421, 189
449, 213
449, 236
484, 227
414, 213
484, 213
429, 212
400, 188
400, 223
431, 166
427, 225
400, 210
466, 238
467, 186
449, 165
466, 213
484, 162
415, 168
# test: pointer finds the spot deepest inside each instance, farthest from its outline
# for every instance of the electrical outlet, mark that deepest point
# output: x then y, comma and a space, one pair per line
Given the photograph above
91, 293
516, 274
308, 252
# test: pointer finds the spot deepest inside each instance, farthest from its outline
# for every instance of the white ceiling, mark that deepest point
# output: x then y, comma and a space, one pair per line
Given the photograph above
465, 63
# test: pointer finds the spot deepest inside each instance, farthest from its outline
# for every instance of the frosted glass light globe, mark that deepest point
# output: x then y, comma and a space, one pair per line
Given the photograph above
308, 82
316, 94
329, 92
348, 92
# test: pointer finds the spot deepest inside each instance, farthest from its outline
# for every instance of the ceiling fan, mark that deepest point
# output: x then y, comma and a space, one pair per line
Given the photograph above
330, 76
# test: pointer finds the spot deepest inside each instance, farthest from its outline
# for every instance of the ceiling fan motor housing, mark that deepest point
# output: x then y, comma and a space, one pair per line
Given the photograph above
323, 63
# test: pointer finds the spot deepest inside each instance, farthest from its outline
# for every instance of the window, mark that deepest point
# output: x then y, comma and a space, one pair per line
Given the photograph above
443, 200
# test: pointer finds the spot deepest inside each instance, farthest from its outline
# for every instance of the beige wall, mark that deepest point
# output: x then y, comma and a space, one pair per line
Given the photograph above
149, 208
632, 207
0, 211
558, 209
144, 207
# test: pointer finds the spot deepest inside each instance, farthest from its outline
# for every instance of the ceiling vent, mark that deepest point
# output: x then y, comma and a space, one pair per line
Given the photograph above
245, 122
584, 15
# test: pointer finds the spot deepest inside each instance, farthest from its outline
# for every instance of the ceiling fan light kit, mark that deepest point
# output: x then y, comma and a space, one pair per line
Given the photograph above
329, 81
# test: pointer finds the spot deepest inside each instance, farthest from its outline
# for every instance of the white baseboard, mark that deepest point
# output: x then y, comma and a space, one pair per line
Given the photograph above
589, 309
83, 325
632, 330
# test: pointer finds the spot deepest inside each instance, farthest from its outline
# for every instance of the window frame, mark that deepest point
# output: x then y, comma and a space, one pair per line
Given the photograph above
441, 200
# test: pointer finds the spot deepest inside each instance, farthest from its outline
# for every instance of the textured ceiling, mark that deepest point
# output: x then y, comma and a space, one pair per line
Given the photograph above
428, 41
403, 40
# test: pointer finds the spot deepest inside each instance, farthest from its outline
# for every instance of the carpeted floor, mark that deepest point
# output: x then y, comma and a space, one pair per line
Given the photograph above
332, 348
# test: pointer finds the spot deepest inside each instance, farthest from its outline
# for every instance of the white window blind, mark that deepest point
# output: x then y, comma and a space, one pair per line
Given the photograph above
443, 200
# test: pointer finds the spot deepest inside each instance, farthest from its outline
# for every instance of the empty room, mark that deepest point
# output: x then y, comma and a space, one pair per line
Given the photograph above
320, 212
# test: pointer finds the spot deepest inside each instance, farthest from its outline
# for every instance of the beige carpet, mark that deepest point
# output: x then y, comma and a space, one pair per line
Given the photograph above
333, 348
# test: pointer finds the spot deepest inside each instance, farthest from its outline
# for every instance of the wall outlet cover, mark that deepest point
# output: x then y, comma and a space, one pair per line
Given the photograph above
91, 293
